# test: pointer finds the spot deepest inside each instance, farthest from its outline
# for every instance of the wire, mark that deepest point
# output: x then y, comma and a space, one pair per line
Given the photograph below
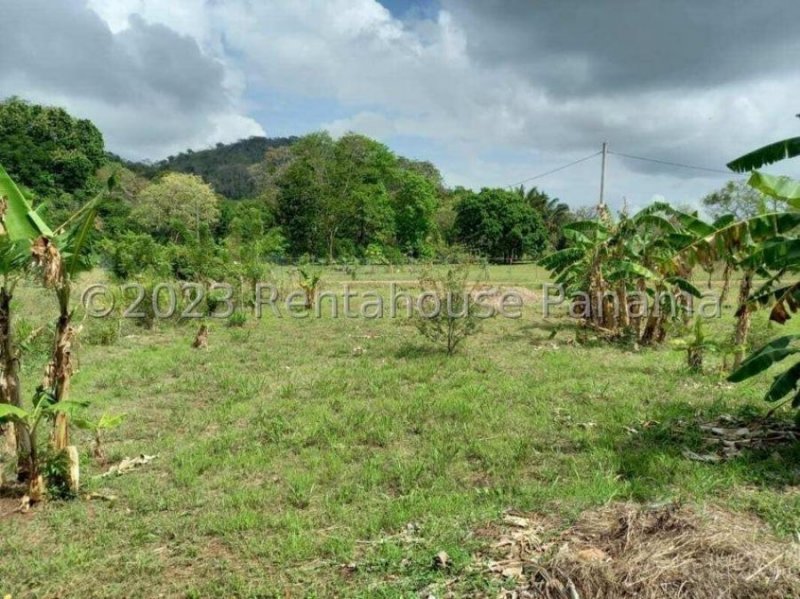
677, 164
555, 170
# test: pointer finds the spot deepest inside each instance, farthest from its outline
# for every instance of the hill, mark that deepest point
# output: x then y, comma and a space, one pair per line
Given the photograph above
225, 166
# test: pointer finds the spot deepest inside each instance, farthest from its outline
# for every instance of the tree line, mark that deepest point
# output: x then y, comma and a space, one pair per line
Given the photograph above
312, 198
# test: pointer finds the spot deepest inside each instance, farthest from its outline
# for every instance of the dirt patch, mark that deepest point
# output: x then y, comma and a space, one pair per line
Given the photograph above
627, 550
494, 296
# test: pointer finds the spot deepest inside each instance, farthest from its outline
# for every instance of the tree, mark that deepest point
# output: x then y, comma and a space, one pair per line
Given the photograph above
500, 225
554, 213
364, 172
736, 198
415, 205
176, 202
20, 225
46, 149
304, 184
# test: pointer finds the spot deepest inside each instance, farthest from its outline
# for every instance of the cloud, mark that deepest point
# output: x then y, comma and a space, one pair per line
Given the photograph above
149, 89
494, 91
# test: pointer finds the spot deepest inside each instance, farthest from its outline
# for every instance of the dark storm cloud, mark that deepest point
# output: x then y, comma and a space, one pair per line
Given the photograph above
618, 46
66, 47
150, 90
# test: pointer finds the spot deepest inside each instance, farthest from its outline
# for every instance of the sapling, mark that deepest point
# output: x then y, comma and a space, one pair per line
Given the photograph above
45, 407
309, 283
106, 422
447, 312
696, 347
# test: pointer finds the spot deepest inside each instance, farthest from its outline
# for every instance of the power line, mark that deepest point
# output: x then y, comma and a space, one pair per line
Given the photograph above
676, 164
555, 170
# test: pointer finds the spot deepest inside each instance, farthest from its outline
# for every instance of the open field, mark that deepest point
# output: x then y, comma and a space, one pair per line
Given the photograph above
296, 455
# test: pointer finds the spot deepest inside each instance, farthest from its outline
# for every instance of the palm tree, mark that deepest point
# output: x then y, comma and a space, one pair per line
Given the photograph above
553, 211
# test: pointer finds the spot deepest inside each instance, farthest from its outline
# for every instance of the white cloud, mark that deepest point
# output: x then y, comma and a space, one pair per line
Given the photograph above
499, 92
151, 91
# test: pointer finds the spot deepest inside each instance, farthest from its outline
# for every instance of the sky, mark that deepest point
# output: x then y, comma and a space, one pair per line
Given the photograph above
493, 92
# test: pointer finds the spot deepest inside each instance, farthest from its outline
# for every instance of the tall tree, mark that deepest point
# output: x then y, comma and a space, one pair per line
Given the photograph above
500, 224
175, 204
415, 204
555, 214
736, 198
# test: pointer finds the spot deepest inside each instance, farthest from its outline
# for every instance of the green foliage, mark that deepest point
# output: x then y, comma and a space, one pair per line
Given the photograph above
415, 205
228, 168
44, 408
132, 254
555, 214
774, 152
500, 225
696, 346
176, 207
46, 149
310, 281
735, 198
448, 314
774, 250
237, 319
625, 259
781, 188
19, 221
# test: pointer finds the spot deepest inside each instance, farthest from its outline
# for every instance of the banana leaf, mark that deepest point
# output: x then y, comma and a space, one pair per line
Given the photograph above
20, 221
774, 152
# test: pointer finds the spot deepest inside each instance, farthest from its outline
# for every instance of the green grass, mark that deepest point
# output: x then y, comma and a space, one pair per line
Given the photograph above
283, 455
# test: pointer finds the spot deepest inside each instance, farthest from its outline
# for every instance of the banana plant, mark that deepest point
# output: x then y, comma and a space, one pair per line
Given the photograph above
609, 262
19, 225
44, 408
106, 422
309, 283
696, 346
60, 258
776, 256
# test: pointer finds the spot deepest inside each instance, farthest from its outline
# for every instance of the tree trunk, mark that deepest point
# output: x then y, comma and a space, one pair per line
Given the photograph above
60, 369
622, 306
10, 385
655, 321
726, 283
743, 320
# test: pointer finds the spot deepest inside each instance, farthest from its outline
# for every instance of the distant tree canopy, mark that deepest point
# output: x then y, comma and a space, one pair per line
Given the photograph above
736, 198
46, 149
226, 167
176, 205
340, 197
499, 224
345, 199
554, 213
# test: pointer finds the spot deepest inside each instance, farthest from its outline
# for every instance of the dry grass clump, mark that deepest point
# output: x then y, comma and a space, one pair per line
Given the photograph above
671, 551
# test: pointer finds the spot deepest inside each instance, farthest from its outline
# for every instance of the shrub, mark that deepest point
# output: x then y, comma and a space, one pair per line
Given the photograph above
237, 319
447, 313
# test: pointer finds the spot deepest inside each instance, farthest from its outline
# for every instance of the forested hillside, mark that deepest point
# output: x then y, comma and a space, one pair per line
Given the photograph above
310, 198
225, 166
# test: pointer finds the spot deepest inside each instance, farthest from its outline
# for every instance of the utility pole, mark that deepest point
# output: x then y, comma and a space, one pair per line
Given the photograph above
603, 176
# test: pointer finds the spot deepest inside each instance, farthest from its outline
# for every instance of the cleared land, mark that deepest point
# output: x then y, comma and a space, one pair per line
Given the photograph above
324, 457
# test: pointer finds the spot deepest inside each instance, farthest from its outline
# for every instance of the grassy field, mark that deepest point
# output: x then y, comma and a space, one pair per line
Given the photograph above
336, 457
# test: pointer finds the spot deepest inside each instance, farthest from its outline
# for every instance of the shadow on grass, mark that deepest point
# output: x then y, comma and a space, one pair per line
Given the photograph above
653, 459
542, 332
413, 351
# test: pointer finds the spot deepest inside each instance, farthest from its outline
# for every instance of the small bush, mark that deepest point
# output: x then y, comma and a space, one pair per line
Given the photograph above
237, 319
102, 331
447, 313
